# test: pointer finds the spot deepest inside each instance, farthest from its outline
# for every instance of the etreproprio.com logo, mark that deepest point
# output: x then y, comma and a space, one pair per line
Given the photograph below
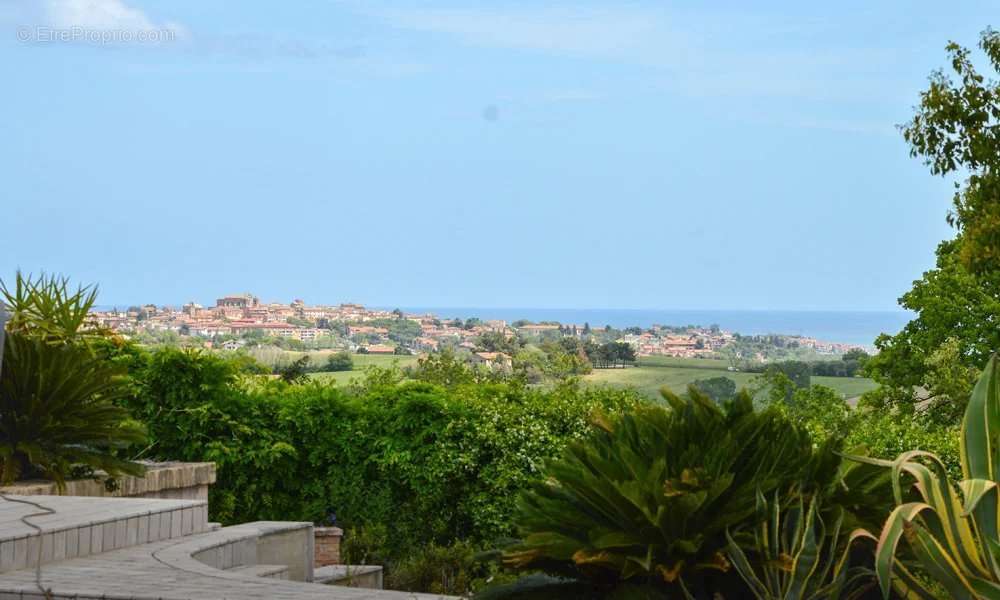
95, 36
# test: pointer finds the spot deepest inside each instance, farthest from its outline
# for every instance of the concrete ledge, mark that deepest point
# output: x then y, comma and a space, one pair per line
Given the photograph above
219, 553
358, 576
269, 571
169, 480
168, 570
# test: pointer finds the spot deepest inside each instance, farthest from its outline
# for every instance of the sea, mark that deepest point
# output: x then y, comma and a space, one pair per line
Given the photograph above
850, 327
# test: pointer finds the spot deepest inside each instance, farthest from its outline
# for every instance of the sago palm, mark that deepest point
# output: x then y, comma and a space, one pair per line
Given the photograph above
649, 497
57, 397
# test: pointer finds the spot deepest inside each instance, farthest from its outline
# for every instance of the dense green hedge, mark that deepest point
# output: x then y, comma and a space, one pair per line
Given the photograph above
427, 462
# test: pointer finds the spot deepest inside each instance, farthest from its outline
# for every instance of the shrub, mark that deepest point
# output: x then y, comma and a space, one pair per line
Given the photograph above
295, 372
456, 569
431, 462
952, 536
341, 361
57, 396
365, 545
647, 499
795, 554
719, 389
824, 413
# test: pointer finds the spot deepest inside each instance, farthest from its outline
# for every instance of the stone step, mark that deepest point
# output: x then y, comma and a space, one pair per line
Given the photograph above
269, 571
81, 526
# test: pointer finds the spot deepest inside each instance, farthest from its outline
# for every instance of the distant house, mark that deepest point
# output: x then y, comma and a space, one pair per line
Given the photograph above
380, 349
366, 329
537, 329
267, 329
493, 360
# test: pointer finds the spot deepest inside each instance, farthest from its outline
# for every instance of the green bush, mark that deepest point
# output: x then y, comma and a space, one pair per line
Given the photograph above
341, 361
57, 394
457, 569
882, 433
646, 501
430, 462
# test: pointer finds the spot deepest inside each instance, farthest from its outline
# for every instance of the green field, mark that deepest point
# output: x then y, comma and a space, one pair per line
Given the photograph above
676, 373
361, 362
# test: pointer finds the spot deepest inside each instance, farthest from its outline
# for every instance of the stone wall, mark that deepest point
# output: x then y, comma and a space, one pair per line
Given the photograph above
171, 480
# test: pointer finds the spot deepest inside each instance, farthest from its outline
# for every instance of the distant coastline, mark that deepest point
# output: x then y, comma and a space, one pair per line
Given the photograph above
852, 327
849, 327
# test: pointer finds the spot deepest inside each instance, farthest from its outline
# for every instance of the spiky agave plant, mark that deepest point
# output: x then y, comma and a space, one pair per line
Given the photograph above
57, 396
648, 498
953, 536
797, 553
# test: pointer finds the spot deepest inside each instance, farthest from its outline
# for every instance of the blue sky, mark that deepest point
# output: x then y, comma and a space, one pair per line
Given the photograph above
535, 154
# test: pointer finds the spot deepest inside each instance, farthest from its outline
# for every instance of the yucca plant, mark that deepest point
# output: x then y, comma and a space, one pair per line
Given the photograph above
953, 536
648, 497
796, 553
57, 396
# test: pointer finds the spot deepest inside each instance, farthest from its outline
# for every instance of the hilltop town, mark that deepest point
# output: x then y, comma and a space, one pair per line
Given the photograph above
241, 319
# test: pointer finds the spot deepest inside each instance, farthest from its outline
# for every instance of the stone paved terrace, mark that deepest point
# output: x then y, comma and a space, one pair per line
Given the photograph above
137, 549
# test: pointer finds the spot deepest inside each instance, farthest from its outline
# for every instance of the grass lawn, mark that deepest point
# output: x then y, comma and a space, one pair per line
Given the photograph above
361, 362
676, 373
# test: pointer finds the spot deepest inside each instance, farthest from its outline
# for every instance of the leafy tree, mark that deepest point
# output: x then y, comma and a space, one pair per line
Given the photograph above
248, 364
496, 341
446, 369
341, 361
401, 331
799, 372
295, 372
953, 306
530, 364
58, 396
610, 354
956, 129
562, 358
718, 389
820, 410
857, 355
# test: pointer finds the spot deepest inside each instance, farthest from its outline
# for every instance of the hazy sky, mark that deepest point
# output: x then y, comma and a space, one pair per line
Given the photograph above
535, 154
